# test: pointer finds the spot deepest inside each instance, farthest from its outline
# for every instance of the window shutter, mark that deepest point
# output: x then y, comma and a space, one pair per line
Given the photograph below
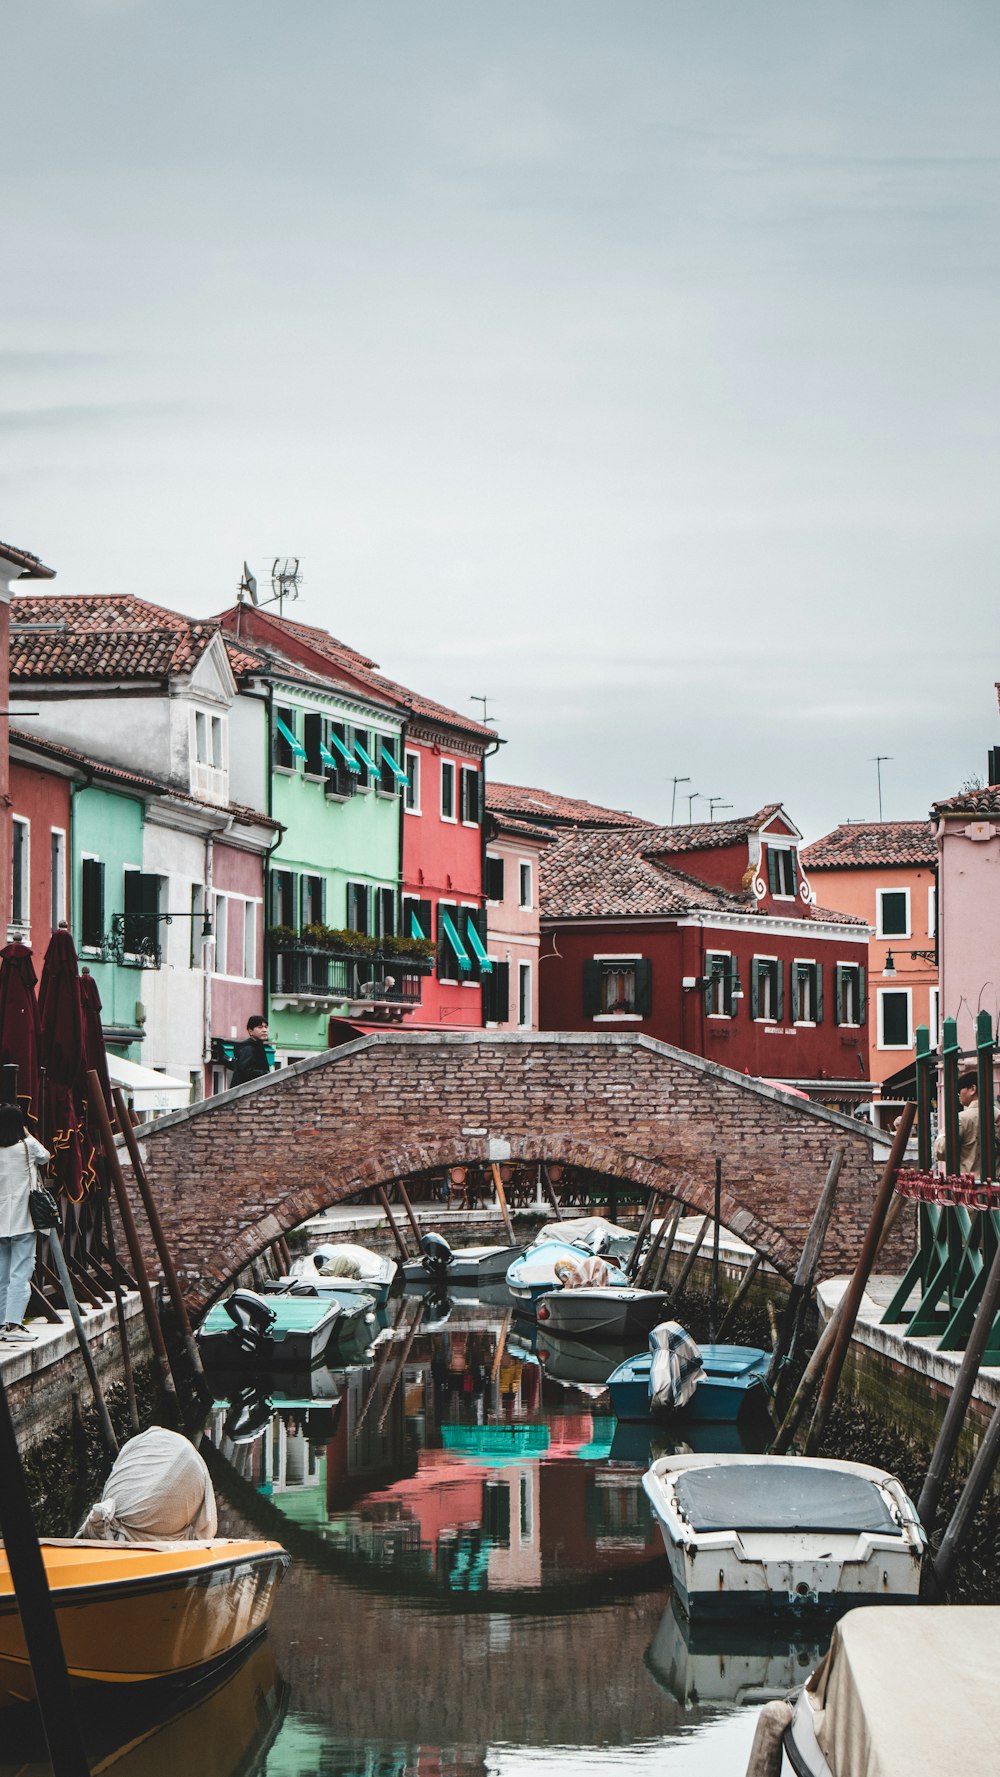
794, 869
644, 986
728, 983
494, 879
591, 988
796, 998
839, 984
772, 870
754, 987
501, 977
818, 980
312, 735
779, 992
862, 995
92, 884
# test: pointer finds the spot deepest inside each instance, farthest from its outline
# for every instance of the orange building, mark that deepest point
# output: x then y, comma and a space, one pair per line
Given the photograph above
885, 872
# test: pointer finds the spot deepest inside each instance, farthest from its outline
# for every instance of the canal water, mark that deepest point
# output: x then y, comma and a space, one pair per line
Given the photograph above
477, 1584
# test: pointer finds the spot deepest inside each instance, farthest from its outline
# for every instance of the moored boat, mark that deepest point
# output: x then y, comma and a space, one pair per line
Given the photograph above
610, 1311
733, 1382
130, 1613
534, 1273
595, 1234
773, 1533
341, 1265
439, 1260
284, 1330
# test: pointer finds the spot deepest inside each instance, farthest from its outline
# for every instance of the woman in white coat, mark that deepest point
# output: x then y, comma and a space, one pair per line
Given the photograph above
20, 1155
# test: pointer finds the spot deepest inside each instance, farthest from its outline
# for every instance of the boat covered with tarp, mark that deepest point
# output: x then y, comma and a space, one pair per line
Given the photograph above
677, 1377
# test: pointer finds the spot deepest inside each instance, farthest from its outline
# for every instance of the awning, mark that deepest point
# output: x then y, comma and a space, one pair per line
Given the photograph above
476, 945
415, 931
451, 933
399, 775
364, 754
297, 748
348, 758
148, 1090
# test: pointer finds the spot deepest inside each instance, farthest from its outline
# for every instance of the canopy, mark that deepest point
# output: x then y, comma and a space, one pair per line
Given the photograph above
148, 1090
781, 1496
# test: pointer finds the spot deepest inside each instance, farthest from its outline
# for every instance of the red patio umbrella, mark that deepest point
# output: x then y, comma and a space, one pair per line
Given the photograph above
63, 1055
19, 1025
96, 1054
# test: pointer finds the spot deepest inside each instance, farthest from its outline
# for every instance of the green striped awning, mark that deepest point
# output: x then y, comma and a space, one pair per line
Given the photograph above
297, 748
451, 933
399, 775
348, 758
476, 946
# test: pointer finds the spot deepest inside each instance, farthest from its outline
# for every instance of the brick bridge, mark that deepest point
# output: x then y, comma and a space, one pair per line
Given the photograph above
234, 1172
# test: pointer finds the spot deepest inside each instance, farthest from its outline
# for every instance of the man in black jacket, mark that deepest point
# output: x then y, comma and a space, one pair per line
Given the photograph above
251, 1056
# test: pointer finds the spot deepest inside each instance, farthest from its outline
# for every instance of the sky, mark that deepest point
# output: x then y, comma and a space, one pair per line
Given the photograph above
633, 364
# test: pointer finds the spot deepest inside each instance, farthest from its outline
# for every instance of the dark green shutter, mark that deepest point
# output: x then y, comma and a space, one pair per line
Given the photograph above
644, 986
838, 993
862, 995
754, 987
772, 870
728, 984
591, 989
818, 979
794, 969
794, 857
779, 992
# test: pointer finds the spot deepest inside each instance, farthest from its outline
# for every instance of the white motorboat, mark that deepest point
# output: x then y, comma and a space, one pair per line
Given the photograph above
535, 1273
611, 1311
595, 1234
762, 1534
905, 1693
729, 1665
442, 1263
341, 1265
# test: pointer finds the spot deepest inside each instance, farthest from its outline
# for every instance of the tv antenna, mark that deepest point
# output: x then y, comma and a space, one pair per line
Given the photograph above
285, 580
484, 701
879, 760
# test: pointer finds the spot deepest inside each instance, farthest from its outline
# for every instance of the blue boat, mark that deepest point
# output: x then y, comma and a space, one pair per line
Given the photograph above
285, 1331
533, 1274
733, 1380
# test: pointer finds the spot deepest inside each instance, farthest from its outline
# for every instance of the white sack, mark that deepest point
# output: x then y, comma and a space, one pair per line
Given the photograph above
159, 1490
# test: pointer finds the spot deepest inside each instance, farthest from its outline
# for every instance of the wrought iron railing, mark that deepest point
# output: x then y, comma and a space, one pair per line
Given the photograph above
310, 972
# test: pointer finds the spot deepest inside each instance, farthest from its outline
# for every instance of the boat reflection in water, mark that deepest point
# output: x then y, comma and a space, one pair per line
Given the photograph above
737, 1664
223, 1727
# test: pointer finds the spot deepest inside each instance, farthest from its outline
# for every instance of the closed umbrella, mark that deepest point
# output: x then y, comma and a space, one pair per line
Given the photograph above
93, 1032
63, 1053
19, 1024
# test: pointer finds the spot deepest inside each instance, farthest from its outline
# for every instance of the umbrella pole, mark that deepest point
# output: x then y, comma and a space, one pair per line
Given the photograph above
156, 1229
107, 1429
116, 1277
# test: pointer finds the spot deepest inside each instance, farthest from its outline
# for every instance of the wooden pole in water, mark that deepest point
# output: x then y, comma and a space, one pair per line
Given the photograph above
99, 1111
689, 1261
156, 1229
939, 1576
408, 1206
116, 1279
550, 1191
67, 1755
403, 1360
654, 1246
862, 1272
714, 1294
961, 1394
401, 1246
631, 1263
502, 1200
383, 1359
747, 1279
809, 1258
656, 1283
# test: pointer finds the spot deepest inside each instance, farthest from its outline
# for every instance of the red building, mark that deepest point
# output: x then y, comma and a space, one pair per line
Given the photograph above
441, 876
40, 803
707, 937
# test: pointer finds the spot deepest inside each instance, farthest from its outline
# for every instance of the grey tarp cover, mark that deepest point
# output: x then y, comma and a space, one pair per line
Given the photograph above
775, 1495
911, 1692
675, 1368
159, 1490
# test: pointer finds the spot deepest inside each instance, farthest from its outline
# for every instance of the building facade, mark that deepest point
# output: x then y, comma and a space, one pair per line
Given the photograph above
967, 833
512, 883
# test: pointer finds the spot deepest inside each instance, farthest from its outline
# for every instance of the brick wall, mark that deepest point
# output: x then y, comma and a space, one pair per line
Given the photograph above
231, 1174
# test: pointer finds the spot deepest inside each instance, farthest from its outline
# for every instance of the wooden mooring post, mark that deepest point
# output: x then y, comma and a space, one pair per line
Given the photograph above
156, 1229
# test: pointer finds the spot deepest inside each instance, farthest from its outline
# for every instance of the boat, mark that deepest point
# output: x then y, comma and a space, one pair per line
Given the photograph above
534, 1273
610, 1311
902, 1692
459, 1265
573, 1361
730, 1663
732, 1384
762, 1534
340, 1265
285, 1330
595, 1234
141, 1613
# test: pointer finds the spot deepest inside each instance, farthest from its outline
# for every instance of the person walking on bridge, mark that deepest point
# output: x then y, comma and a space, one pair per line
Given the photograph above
252, 1061
20, 1154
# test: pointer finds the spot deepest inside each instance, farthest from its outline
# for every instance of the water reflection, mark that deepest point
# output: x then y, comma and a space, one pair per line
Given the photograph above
730, 1663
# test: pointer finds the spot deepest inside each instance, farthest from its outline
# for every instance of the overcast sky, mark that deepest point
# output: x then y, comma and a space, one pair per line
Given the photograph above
634, 364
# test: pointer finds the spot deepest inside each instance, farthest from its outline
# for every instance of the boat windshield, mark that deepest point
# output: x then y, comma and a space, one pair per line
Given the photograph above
792, 1497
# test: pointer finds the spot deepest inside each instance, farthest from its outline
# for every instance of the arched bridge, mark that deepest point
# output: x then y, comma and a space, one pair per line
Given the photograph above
233, 1173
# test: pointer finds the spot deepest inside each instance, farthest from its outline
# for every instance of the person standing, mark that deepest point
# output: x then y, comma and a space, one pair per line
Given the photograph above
968, 1126
251, 1058
20, 1154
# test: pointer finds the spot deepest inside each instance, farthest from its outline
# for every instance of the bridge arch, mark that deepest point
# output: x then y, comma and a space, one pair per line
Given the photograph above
235, 1172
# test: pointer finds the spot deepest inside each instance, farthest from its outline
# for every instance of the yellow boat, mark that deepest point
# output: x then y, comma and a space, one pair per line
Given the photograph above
132, 1613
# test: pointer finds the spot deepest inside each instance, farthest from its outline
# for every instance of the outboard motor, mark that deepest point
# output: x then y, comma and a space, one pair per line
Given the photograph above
249, 1415
438, 1256
252, 1318
437, 1310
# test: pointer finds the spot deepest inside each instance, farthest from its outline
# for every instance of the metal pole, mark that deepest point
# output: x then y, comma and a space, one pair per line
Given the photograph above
862, 1271
156, 1229
924, 1063
714, 1296
961, 1394
950, 1109
34, 1602
985, 1094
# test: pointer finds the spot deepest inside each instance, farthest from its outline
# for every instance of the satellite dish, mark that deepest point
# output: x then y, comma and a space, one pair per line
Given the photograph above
248, 585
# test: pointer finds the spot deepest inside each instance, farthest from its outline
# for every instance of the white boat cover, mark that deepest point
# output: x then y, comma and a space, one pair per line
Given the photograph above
159, 1490
335, 1264
594, 1232
910, 1691
675, 1369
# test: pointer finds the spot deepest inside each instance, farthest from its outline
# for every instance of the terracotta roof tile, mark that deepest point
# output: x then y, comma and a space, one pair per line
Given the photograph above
132, 780
859, 845
508, 826
831, 916
30, 565
544, 806
711, 835
107, 636
984, 801
610, 873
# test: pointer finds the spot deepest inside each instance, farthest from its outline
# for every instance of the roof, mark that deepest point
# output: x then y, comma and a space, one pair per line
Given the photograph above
30, 566
860, 845
107, 636
132, 780
984, 801
611, 873
545, 808
365, 672
507, 826
713, 835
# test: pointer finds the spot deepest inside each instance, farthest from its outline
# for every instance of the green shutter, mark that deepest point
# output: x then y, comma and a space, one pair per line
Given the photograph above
779, 991
838, 993
644, 986
591, 989
728, 983
754, 987
794, 972
862, 995
818, 978
772, 870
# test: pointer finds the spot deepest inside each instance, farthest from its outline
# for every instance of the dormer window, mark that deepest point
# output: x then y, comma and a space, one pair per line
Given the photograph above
781, 871
210, 765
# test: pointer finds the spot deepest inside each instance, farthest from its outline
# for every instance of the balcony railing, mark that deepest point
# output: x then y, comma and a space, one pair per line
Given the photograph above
306, 974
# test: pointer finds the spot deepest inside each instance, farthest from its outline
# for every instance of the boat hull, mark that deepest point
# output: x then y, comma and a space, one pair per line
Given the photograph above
732, 1385
610, 1312
132, 1615
474, 1264
299, 1336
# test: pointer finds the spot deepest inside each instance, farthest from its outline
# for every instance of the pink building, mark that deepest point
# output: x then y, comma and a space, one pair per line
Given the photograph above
968, 839
511, 882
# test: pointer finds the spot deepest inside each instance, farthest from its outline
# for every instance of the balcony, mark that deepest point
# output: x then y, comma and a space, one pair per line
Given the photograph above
313, 978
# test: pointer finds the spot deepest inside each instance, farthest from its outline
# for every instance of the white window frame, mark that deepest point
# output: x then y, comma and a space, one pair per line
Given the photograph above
879, 929
448, 980
525, 906
772, 1017
411, 795
932, 911
846, 962
57, 893
788, 851
524, 997
452, 766
497, 858
21, 919
804, 962
629, 959
250, 972
466, 980
727, 957
897, 1048
934, 1016
496, 1023
220, 930
477, 774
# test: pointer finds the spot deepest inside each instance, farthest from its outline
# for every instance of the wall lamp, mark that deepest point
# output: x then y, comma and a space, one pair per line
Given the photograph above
889, 966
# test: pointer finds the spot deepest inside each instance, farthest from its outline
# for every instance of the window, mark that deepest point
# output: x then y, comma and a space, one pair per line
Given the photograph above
720, 984
781, 871
524, 883
934, 1016
284, 887
767, 989
617, 987
357, 906
422, 913
250, 940
312, 898
850, 996
496, 995
220, 931
894, 1030
524, 995
450, 965
208, 739
469, 783
200, 737
341, 781
285, 743
91, 903
494, 878
411, 795
360, 744
20, 912
216, 759
932, 913
447, 790
312, 734
807, 993
141, 925
892, 913
197, 951
58, 869
387, 781
384, 907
